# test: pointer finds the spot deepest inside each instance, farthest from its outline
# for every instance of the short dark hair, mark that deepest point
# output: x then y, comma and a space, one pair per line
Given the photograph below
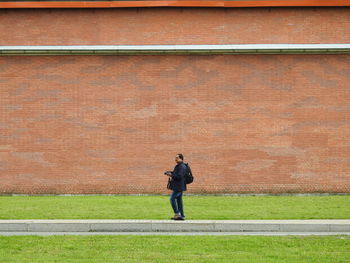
180, 156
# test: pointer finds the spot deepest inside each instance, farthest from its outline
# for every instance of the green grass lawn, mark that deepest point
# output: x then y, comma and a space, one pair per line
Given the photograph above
252, 249
158, 207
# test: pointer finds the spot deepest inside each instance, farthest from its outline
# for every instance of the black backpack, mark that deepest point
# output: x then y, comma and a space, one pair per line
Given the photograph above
188, 175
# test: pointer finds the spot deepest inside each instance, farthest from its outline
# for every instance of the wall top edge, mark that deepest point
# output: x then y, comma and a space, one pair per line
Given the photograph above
165, 3
178, 49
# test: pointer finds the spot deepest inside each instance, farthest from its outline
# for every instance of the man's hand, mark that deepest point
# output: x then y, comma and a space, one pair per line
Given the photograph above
168, 173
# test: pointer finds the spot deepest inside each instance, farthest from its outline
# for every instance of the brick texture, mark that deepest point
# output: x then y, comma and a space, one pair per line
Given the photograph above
140, 26
113, 124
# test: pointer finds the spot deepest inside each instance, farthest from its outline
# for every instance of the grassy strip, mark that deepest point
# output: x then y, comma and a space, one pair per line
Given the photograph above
241, 249
158, 207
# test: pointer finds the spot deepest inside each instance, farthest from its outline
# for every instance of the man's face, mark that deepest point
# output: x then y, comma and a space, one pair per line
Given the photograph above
178, 159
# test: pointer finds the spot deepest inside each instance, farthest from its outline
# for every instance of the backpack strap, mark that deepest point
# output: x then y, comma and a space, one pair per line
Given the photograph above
169, 183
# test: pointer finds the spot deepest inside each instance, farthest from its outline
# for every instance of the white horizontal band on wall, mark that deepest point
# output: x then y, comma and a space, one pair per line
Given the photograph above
177, 49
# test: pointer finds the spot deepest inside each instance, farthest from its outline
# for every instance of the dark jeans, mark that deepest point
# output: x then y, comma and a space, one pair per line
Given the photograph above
176, 203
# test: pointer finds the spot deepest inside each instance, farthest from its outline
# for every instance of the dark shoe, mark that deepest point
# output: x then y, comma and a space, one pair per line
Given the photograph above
177, 217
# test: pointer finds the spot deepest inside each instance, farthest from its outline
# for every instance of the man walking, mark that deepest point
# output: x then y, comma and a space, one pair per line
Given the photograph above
178, 186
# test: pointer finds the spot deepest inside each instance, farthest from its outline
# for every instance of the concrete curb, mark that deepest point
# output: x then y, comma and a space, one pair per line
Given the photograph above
174, 233
283, 226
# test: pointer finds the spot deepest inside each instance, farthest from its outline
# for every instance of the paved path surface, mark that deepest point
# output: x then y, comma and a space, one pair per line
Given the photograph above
162, 226
175, 233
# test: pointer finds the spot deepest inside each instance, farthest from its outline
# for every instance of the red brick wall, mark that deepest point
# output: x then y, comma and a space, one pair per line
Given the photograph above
174, 26
113, 124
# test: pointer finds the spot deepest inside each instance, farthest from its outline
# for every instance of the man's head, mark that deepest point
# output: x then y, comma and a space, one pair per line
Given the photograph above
179, 158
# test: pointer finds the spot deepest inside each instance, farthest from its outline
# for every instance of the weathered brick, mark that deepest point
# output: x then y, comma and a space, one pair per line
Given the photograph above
112, 124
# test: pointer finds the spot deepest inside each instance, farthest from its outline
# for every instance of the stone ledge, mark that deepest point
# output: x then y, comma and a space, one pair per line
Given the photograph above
177, 49
175, 226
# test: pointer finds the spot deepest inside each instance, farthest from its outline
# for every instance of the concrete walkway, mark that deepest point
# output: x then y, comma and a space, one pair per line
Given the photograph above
174, 233
168, 226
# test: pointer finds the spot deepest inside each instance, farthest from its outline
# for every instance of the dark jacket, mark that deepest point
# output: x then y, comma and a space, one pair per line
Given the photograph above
178, 178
